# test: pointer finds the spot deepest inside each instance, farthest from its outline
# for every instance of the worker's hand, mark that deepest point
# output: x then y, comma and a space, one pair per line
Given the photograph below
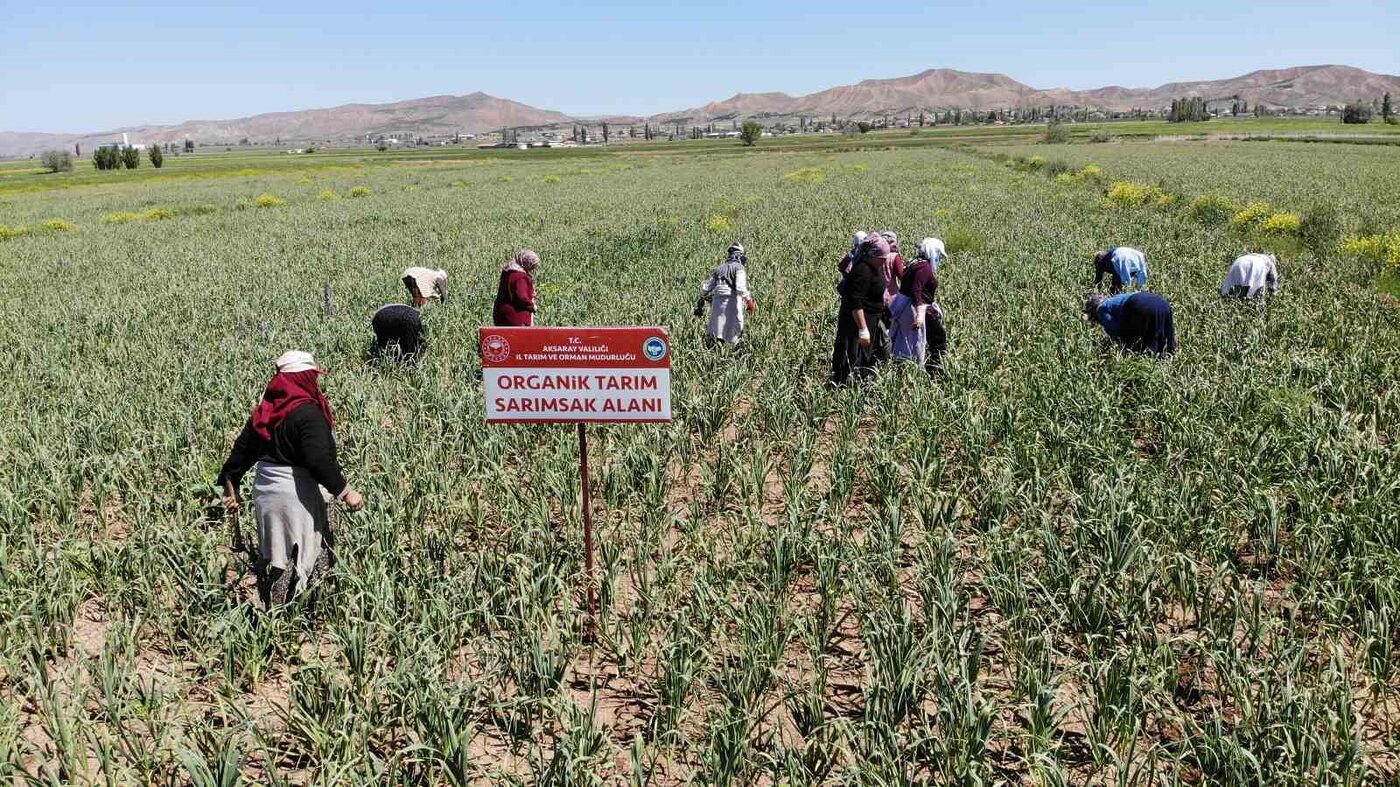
231, 502
353, 500
753, 307
863, 338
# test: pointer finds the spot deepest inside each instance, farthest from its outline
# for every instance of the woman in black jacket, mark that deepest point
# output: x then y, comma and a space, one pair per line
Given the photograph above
858, 328
289, 440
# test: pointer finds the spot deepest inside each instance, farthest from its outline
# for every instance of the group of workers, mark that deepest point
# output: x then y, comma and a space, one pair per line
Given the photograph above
289, 444
887, 310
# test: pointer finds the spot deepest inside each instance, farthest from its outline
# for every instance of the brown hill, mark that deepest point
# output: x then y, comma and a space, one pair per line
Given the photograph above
941, 88
936, 89
436, 115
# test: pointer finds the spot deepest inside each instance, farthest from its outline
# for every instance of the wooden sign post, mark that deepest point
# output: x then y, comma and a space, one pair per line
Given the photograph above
577, 376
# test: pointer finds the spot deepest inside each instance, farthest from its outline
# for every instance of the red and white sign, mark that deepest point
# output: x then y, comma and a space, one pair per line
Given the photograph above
571, 375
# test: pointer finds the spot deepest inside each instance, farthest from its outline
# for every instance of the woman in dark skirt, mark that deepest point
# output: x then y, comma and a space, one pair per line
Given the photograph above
858, 329
1139, 321
400, 325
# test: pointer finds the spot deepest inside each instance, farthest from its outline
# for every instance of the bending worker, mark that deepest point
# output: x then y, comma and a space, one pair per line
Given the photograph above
288, 441
727, 290
917, 331
400, 325
1250, 276
1140, 321
1126, 267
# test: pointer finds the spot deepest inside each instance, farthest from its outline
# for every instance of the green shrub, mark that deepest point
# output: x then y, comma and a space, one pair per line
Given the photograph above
1212, 209
1056, 133
962, 240
1101, 137
57, 161
327, 195
57, 225
6, 233
1123, 194
360, 191
268, 201
1321, 230
1282, 224
1251, 216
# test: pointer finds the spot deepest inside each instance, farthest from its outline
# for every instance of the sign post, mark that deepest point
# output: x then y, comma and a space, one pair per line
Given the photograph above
577, 376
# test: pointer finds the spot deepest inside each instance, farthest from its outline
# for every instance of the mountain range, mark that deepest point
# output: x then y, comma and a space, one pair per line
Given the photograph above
933, 90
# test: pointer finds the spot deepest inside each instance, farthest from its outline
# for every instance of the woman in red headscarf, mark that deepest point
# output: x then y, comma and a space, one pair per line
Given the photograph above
515, 294
289, 442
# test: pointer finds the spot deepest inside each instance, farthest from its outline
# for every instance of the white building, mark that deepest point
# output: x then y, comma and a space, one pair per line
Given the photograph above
125, 143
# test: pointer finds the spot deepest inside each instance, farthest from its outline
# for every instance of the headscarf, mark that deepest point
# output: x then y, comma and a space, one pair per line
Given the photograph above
892, 238
524, 260
856, 240
736, 254
875, 246
429, 283
292, 386
1091, 307
931, 249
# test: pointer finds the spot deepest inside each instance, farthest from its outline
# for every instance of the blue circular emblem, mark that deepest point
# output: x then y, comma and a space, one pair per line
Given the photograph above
654, 348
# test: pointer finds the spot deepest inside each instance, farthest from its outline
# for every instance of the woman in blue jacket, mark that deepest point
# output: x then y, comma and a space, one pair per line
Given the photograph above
1140, 321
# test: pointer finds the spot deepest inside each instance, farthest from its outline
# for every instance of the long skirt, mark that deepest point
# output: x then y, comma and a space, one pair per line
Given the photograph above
294, 536
848, 358
911, 341
726, 319
1148, 325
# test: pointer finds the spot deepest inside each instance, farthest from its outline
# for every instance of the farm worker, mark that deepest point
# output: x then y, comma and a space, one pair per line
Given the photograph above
1251, 275
844, 266
894, 271
515, 295
1140, 321
917, 332
726, 289
289, 443
1125, 266
858, 329
400, 325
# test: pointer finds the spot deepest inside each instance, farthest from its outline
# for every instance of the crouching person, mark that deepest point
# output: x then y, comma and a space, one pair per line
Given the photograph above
1251, 276
399, 326
1124, 267
1139, 321
727, 291
289, 444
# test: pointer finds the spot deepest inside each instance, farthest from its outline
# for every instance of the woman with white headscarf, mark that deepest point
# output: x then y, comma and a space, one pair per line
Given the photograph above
727, 291
844, 266
400, 325
917, 332
289, 444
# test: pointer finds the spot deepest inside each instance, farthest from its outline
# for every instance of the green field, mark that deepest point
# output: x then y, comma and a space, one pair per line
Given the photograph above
1055, 564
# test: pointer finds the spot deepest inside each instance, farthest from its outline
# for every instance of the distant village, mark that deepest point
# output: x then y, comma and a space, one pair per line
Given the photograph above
614, 131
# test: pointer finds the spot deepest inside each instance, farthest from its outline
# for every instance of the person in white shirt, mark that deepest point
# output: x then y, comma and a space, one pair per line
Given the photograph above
727, 292
1251, 276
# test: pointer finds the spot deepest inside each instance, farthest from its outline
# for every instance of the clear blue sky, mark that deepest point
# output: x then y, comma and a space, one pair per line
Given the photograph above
88, 66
